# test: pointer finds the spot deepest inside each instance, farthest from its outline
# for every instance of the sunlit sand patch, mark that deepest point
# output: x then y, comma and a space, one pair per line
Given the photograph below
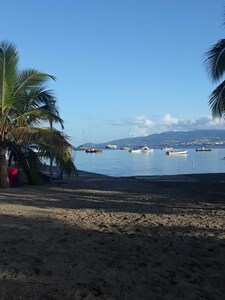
85, 190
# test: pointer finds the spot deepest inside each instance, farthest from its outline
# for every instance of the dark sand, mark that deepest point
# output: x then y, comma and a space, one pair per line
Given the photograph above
98, 237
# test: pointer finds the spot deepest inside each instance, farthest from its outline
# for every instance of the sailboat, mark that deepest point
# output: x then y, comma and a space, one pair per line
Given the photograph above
82, 147
125, 147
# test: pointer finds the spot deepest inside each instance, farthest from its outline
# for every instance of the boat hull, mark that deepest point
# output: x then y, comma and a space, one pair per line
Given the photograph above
176, 152
125, 148
135, 151
146, 149
93, 151
203, 150
109, 146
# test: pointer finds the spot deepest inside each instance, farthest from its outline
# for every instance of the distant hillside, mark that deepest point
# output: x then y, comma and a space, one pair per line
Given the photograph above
172, 139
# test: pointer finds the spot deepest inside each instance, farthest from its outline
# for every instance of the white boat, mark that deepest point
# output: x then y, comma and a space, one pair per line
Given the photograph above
146, 149
176, 152
81, 148
135, 150
110, 146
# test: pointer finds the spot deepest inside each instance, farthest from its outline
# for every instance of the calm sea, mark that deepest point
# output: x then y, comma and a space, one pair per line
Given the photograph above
123, 163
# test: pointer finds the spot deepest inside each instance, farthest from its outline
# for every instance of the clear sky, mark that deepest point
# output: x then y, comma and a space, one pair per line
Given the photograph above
124, 68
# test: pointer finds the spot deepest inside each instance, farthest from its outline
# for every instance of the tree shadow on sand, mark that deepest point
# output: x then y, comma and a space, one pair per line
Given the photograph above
47, 259
98, 240
122, 195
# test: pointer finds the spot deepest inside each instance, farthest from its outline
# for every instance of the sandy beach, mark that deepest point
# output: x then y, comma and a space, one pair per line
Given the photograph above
98, 237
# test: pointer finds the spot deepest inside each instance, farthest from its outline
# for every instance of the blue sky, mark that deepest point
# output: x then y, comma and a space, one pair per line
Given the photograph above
124, 68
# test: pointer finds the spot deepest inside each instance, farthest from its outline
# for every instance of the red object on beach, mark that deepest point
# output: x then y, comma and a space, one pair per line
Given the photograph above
12, 172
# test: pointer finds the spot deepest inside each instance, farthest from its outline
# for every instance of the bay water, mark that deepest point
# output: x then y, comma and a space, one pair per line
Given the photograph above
124, 163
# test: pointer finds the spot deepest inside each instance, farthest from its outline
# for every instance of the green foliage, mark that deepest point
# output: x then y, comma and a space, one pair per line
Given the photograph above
215, 65
27, 108
215, 62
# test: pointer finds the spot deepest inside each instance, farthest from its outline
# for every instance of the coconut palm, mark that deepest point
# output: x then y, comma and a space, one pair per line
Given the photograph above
27, 108
215, 64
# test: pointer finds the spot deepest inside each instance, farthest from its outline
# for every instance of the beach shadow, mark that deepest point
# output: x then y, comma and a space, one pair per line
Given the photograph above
123, 195
43, 257
113, 239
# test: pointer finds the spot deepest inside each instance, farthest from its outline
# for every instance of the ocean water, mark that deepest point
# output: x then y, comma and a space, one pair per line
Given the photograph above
123, 163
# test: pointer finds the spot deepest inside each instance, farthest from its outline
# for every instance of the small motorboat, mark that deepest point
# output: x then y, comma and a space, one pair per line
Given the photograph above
93, 150
203, 149
110, 146
146, 149
176, 152
135, 150
124, 148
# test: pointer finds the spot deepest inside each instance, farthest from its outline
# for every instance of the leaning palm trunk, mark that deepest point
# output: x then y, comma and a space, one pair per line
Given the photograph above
4, 180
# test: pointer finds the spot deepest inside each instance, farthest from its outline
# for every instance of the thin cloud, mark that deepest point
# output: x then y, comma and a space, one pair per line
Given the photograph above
142, 125
168, 119
194, 124
139, 121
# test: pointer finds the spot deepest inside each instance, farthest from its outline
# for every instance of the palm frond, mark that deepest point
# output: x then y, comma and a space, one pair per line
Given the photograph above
30, 78
36, 117
217, 101
215, 61
50, 143
67, 164
35, 107
47, 135
8, 69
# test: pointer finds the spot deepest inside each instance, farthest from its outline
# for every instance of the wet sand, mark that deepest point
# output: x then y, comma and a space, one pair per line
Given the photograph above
99, 237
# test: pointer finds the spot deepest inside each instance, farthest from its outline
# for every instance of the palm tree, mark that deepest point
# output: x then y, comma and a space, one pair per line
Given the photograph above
27, 108
215, 65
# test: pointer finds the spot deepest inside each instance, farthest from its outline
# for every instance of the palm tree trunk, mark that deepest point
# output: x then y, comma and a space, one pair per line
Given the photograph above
4, 180
51, 161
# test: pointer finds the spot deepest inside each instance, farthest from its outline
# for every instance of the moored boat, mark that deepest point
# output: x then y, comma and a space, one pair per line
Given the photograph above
135, 150
124, 148
146, 149
93, 150
98, 151
203, 149
176, 152
110, 146
81, 148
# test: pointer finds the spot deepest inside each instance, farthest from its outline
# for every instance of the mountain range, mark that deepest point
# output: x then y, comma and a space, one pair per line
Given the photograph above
171, 139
